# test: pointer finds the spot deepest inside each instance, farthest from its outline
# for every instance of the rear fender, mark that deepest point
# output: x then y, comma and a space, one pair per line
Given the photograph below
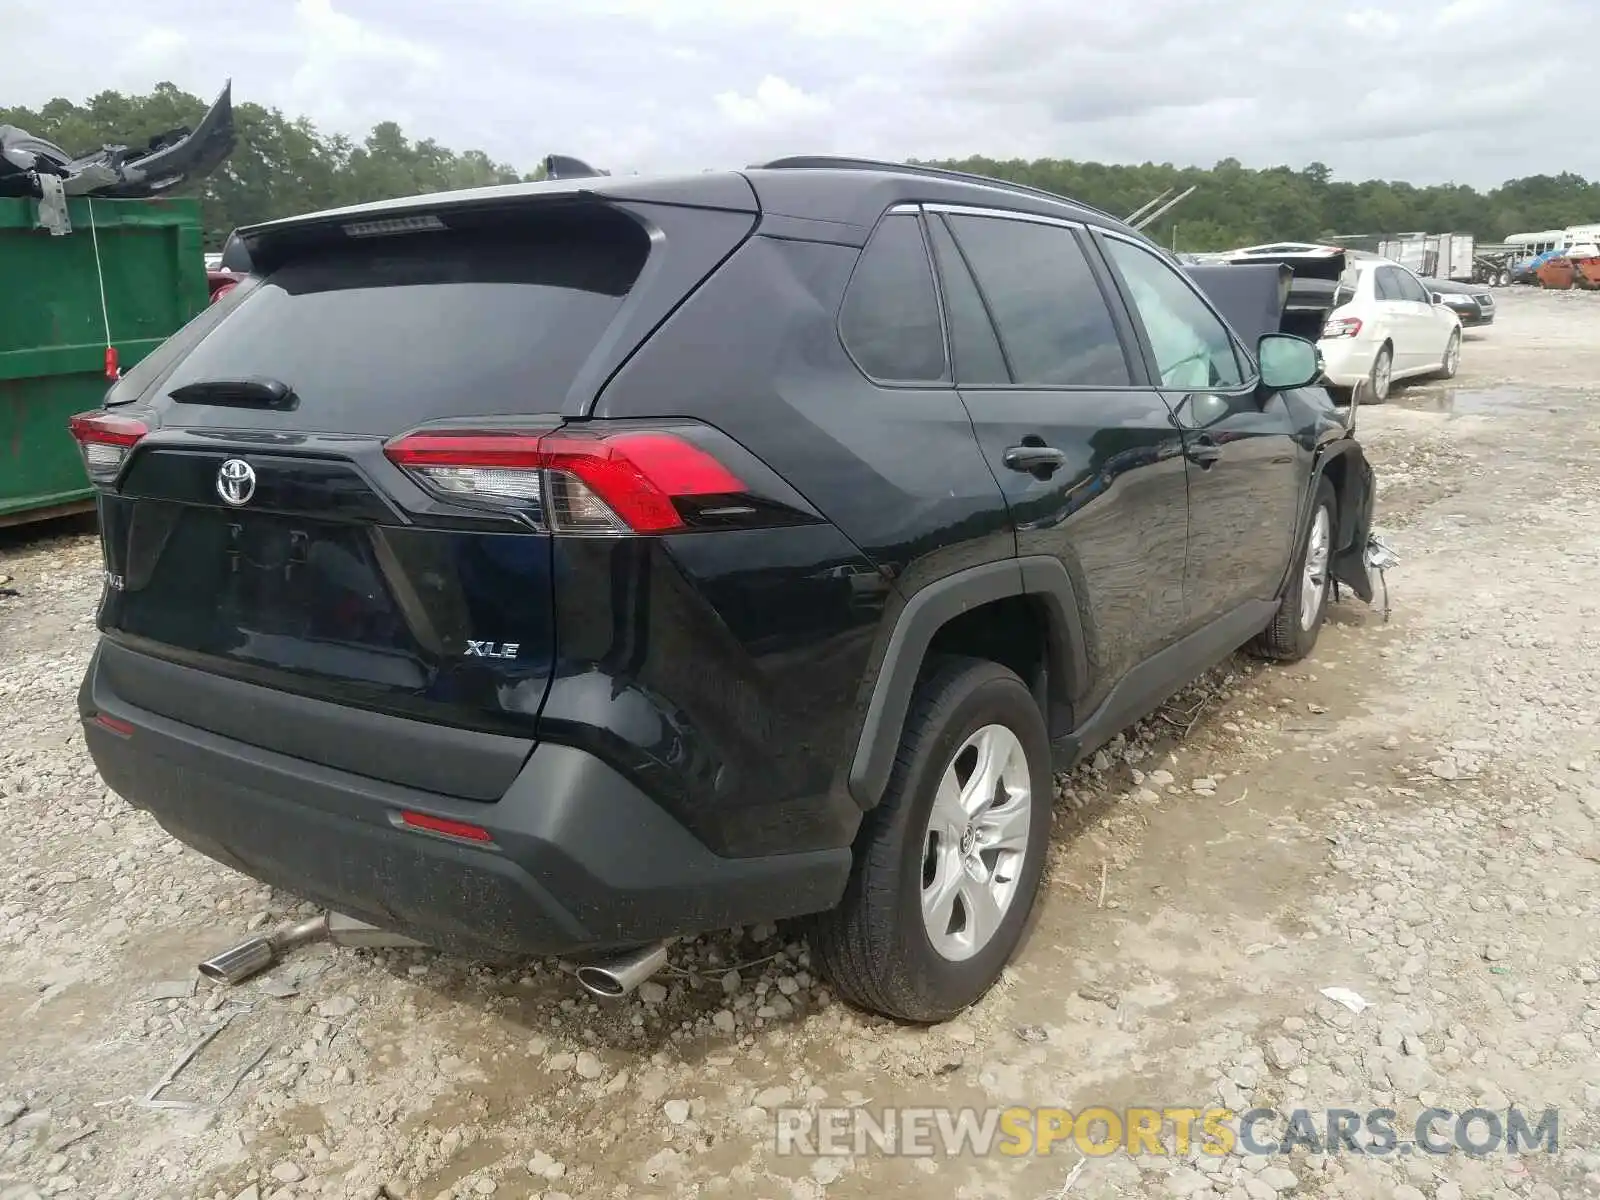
899, 665
1355, 487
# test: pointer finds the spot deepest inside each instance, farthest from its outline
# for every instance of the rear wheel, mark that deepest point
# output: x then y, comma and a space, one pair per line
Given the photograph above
1293, 632
1381, 377
948, 865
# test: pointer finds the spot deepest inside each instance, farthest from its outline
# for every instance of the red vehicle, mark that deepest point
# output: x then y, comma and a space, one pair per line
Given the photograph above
235, 265
220, 282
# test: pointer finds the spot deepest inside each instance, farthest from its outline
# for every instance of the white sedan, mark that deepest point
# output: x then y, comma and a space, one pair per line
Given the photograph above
1385, 325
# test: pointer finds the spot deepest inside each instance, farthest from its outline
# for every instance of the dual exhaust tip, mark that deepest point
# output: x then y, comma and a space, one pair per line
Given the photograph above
617, 976
608, 979
254, 955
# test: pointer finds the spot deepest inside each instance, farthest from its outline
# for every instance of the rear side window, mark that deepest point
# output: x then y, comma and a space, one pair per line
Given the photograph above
972, 339
1411, 290
890, 317
375, 335
1387, 284
1053, 322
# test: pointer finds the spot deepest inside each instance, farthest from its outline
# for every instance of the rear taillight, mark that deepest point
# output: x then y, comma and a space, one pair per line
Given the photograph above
1342, 327
105, 439
573, 482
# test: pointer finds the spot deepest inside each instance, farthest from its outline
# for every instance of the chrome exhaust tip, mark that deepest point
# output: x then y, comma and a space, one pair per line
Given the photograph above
240, 962
251, 957
615, 977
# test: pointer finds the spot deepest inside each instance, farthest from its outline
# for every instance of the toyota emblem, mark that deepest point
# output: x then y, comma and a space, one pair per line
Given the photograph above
236, 482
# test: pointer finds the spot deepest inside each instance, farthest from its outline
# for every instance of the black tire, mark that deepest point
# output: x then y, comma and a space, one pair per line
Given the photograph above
1384, 359
875, 947
1452, 358
1288, 639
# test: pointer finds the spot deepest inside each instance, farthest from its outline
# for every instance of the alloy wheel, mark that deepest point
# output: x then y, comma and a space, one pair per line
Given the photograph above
1315, 580
976, 842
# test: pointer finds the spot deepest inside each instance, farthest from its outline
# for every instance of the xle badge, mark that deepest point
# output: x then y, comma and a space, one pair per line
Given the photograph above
493, 649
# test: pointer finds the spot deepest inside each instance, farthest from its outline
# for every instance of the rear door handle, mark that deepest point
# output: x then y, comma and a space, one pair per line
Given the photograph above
1042, 461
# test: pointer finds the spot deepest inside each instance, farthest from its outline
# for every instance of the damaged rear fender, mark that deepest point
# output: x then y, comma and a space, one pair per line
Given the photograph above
1345, 465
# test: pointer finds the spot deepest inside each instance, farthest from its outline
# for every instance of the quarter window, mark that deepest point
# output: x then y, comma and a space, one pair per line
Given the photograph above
1051, 316
890, 317
1192, 347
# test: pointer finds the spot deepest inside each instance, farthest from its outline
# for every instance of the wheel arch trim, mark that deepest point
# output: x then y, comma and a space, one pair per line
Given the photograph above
924, 614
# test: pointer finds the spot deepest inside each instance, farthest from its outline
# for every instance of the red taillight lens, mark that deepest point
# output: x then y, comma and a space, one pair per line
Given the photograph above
579, 482
445, 827
115, 724
105, 439
1342, 327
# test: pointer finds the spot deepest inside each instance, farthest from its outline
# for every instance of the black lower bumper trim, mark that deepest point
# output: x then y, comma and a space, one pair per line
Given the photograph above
579, 859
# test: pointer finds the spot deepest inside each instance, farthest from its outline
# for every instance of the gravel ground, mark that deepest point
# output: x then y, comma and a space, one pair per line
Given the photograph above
1411, 815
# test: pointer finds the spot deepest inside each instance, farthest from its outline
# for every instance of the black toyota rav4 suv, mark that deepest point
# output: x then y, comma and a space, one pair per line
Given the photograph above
564, 568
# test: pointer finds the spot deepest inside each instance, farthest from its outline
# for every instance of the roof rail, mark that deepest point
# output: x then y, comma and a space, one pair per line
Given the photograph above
823, 162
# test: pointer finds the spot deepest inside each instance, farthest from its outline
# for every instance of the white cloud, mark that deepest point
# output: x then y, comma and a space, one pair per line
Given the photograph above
1412, 89
775, 103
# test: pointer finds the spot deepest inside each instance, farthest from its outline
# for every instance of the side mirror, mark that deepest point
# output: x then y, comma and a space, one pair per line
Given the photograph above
1438, 297
1287, 361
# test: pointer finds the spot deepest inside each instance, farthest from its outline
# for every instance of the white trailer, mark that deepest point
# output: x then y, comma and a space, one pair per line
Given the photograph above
1432, 255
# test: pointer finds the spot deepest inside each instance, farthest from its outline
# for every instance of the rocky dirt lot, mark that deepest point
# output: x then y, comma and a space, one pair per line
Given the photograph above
1410, 815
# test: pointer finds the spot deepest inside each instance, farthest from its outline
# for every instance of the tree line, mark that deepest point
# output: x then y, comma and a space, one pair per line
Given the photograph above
285, 165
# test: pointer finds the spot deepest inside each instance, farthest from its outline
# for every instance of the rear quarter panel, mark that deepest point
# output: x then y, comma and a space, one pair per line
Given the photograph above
895, 471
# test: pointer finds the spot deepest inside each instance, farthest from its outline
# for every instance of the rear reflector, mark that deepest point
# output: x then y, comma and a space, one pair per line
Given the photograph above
577, 482
105, 439
445, 826
115, 724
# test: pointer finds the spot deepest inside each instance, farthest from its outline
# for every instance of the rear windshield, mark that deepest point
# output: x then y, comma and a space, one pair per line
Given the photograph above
377, 334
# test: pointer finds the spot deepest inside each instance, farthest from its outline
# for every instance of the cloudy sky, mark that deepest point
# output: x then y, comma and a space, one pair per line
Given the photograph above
1474, 91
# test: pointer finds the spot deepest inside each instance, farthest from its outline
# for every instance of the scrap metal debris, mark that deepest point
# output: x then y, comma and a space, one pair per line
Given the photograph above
1380, 558
171, 989
166, 161
150, 1098
1354, 1001
250, 1066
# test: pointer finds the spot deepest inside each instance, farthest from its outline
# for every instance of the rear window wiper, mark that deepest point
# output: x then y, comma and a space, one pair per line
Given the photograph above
259, 392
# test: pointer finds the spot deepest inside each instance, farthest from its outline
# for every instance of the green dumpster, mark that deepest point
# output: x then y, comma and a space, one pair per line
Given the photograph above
53, 328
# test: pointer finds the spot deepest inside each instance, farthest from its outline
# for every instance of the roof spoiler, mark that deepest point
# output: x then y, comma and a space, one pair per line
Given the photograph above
562, 166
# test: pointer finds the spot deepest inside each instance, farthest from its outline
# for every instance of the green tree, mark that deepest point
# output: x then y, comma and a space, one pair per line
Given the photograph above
284, 165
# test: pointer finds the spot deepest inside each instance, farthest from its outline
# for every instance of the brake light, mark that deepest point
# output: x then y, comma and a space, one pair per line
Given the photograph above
1342, 327
105, 440
578, 482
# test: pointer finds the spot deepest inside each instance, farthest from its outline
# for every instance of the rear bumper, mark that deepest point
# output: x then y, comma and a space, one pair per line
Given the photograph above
578, 858
1347, 361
